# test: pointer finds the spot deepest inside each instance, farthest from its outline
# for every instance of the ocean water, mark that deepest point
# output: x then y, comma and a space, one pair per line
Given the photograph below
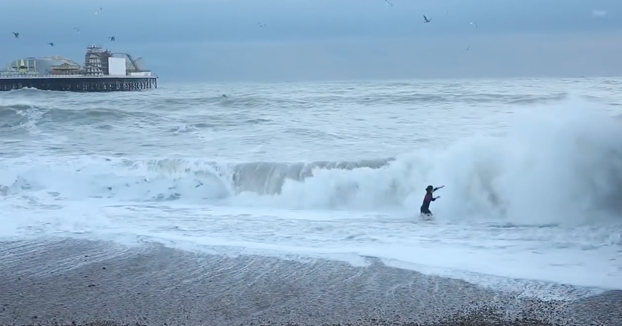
532, 169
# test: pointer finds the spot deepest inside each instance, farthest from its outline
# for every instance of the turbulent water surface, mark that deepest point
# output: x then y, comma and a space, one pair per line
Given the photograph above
532, 169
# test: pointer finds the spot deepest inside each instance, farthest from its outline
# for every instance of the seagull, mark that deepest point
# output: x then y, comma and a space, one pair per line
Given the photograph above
77, 29
261, 25
51, 43
426, 20
98, 11
16, 34
468, 47
112, 38
474, 24
388, 3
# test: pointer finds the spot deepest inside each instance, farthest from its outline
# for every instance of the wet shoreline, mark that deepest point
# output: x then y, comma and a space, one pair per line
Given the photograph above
78, 282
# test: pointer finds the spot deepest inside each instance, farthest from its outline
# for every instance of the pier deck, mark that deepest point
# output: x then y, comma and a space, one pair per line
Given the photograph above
78, 83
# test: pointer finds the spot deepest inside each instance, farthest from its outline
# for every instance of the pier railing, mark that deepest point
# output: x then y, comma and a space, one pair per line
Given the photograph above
78, 83
20, 76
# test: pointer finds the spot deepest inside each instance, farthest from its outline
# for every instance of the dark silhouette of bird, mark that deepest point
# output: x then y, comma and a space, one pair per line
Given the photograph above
51, 43
16, 34
112, 38
261, 25
426, 20
388, 3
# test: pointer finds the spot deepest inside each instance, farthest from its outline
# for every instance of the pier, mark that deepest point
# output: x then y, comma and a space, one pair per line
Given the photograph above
76, 83
103, 71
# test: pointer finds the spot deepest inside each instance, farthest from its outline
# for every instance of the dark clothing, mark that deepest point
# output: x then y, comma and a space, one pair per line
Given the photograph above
425, 207
428, 198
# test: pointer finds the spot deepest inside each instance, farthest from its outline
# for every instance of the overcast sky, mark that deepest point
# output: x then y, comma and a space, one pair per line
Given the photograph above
220, 40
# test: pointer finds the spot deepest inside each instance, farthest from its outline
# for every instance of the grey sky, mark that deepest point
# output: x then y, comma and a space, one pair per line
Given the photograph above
219, 40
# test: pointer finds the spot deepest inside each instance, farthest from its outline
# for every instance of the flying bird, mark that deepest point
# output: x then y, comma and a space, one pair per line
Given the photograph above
474, 24
388, 3
77, 30
112, 38
16, 34
261, 25
98, 11
426, 20
51, 43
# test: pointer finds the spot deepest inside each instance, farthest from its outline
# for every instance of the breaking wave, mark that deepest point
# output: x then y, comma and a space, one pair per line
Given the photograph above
550, 167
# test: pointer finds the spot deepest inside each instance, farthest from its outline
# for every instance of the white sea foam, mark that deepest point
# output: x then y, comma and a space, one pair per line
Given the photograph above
536, 200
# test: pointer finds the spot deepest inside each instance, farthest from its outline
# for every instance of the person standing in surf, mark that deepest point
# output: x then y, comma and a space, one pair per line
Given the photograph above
429, 197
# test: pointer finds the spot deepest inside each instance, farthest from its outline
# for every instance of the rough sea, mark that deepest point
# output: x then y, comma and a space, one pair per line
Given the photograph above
532, 170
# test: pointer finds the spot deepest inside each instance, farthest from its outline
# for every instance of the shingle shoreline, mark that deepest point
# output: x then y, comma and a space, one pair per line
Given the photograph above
77, 282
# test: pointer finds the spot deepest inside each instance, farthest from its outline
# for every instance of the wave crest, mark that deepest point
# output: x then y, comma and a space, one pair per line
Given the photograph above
558, 166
